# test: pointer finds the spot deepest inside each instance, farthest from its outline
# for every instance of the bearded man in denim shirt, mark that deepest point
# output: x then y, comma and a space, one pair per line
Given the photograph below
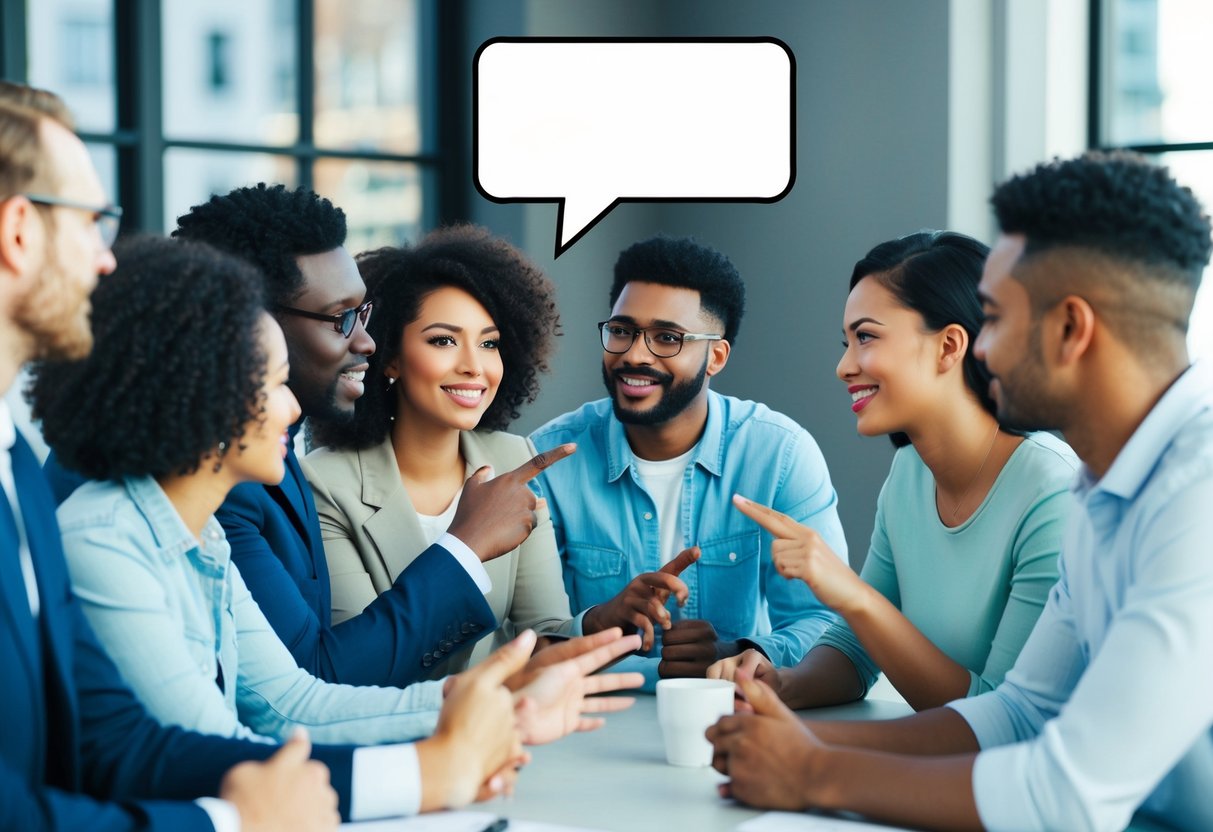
642, 511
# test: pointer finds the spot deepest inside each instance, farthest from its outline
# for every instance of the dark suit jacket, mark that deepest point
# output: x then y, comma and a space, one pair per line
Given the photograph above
275, 537
274, 533
73, 733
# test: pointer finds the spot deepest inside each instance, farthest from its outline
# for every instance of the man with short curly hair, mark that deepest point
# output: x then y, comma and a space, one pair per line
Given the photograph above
1108, 709
642, 511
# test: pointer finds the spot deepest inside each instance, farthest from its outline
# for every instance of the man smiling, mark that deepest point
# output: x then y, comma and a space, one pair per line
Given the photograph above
642, 511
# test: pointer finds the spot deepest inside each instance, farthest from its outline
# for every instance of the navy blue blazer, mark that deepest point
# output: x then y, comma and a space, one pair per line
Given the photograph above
77, 749
275, 537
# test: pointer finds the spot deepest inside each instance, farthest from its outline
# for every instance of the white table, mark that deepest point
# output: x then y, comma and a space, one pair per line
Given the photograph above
617, 779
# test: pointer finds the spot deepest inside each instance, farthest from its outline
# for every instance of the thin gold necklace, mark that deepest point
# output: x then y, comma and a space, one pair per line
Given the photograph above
972, 482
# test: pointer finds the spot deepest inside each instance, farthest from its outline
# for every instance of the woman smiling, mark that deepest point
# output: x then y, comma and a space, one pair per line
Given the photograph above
463, 324
969, 522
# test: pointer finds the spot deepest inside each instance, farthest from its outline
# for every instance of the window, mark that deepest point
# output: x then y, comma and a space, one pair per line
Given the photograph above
1150, 94
178, 99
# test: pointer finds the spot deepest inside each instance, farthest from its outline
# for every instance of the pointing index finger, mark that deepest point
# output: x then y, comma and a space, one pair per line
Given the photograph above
770, 519
684, 559
531, 468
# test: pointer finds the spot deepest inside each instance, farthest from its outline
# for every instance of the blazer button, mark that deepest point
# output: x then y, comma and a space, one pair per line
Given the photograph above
465, 629
446, 645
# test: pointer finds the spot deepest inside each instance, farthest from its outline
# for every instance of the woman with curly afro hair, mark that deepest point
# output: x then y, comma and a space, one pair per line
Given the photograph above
183, 397
464, 325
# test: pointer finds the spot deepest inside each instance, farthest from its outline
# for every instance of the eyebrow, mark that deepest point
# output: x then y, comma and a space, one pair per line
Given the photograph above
657, 322
453, 328
858, 322
985, 299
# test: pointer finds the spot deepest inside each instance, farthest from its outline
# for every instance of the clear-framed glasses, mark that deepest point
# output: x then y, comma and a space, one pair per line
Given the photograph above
662, 341
107, 218
343, 321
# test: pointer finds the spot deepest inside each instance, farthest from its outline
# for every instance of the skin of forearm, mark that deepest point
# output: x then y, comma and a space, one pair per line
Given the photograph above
931, 793
919, 670
444, 782
825, 676
937, 732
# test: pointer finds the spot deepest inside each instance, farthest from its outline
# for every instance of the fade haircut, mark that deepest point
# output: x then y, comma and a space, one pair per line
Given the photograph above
1125, 234
269, 226
684, 263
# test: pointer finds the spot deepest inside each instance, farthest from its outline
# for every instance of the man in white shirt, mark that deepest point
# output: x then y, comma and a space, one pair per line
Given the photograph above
1109, 709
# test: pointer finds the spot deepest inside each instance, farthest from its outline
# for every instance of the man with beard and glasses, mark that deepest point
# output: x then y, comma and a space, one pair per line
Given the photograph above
1108, 710
642, 511
296, 239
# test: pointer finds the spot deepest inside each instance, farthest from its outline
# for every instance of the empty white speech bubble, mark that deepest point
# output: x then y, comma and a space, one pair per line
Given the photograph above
592, 122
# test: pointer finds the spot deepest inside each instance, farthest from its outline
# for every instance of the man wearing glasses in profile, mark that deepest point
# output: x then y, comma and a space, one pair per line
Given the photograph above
642, 511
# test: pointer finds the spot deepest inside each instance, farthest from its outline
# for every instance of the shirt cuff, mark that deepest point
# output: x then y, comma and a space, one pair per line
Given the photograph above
386, 782
468, 560
223, 814
1000, 791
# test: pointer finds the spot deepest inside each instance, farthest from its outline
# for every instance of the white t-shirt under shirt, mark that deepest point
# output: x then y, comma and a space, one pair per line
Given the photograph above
663, 480
433, 526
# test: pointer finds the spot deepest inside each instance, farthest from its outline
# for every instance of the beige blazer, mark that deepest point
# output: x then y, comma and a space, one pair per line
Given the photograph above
371, 533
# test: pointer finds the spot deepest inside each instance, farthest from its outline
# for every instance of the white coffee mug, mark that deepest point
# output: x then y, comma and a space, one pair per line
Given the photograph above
685, 709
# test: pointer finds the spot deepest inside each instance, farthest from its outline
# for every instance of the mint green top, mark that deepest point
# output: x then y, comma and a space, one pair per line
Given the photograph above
975, 590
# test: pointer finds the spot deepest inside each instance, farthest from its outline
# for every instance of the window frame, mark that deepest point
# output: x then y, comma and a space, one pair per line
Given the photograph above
140, 143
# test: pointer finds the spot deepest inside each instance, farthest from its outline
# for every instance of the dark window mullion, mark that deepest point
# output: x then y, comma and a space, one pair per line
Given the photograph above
138, 86
14, 64
305, 89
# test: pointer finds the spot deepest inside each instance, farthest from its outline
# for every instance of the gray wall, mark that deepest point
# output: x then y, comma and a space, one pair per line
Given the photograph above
872, 152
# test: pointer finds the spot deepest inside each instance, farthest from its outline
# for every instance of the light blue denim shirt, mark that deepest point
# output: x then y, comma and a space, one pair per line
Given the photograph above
606, 522
176, 618
1110, 705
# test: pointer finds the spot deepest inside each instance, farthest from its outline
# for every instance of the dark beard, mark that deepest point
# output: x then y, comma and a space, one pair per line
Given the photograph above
675, 398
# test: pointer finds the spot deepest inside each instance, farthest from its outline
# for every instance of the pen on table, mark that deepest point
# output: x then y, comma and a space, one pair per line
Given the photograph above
499, 825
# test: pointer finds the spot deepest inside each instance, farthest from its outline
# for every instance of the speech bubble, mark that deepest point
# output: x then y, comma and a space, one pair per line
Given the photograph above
589, 123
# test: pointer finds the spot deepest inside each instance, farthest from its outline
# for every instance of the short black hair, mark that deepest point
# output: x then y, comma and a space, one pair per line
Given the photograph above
269, 226
177, 365
682, 262
1117, 204
516, 294
935, 273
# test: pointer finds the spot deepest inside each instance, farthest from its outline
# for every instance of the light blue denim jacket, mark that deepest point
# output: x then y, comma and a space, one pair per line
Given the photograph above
172, 613
606, 523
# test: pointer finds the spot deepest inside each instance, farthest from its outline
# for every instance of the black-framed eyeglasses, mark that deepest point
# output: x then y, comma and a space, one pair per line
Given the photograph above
662, 341
343, 321
107, 218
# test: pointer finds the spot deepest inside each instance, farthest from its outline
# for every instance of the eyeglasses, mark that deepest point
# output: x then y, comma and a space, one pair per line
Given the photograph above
343, 321
107, 218
663, 342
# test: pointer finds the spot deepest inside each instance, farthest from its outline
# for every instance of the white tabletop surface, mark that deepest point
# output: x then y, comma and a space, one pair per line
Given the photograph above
617, 779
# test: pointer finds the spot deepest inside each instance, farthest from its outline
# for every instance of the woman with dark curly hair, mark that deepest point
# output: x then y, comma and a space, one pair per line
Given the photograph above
183, 397
464, 324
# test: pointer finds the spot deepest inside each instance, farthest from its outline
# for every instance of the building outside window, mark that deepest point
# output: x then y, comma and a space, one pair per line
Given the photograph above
177, 100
